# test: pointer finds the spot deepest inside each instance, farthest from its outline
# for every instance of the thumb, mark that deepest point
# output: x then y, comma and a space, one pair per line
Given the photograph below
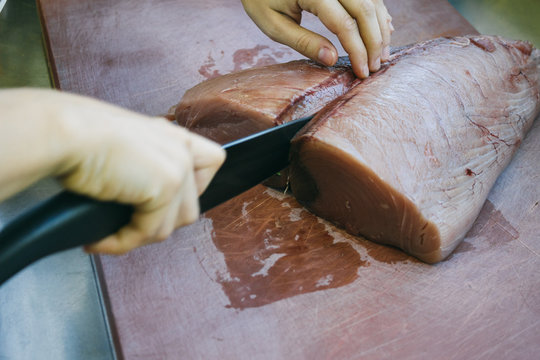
285, 30
207, 157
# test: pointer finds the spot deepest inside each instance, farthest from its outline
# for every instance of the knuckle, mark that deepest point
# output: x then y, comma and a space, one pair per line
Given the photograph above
374, 43
349, 24
174, 177
303, 42
366, 7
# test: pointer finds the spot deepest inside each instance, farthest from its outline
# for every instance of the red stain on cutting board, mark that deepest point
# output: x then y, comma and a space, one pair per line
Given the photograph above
260, 55
284, 250
207, 69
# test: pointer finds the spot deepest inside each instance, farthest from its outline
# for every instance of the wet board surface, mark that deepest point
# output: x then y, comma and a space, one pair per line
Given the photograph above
260, 277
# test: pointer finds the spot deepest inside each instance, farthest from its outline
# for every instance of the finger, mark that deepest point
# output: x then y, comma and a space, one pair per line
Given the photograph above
363, 11
126, 239
385, 23
183, 210
149, 221
206, 155
207, 159
285, 30
188, 210
175, 205
337, 20
143, 226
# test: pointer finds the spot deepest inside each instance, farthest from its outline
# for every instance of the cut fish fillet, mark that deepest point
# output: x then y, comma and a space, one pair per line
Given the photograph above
408, 156
235, 105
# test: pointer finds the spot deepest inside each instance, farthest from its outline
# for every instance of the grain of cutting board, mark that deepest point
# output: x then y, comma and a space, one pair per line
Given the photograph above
261, 278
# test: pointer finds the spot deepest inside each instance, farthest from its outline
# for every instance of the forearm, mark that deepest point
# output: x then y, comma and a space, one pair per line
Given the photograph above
33, 141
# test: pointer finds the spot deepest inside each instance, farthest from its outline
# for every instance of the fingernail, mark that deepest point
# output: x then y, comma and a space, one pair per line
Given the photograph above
391, 27
365, 70
326, 56
386, 53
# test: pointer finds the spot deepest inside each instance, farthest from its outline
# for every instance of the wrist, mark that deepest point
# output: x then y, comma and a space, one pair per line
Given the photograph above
68, 133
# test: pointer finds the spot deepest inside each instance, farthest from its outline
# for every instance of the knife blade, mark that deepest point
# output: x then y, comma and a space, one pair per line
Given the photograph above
69, 220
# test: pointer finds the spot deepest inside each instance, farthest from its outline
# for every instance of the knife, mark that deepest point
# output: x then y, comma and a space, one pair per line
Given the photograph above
69, 220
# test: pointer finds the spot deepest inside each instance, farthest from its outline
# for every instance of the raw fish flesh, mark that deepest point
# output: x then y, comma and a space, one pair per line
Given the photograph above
235, 105
408, 156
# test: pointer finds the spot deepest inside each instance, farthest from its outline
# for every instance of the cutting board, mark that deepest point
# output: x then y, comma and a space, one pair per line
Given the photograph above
262, 278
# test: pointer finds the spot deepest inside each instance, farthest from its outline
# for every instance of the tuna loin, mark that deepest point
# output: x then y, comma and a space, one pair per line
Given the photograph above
235, 105
408, 157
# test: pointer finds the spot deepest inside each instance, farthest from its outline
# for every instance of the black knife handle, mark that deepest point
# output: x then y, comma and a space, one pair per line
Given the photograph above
69, 220
62, 222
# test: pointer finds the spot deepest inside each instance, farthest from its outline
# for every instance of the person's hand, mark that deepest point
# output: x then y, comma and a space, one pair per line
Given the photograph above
109, 153
126, 157
362, 26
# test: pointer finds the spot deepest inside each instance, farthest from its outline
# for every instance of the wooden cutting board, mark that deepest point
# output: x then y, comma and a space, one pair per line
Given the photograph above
260, 277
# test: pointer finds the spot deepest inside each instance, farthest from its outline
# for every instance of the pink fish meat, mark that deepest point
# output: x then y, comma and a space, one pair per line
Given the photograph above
235, 105
408, 157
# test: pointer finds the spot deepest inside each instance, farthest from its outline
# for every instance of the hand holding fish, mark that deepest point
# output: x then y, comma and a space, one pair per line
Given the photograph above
362, 26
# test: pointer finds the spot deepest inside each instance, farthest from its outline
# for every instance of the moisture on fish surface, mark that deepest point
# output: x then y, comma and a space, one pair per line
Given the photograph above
235, 105
408, 156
